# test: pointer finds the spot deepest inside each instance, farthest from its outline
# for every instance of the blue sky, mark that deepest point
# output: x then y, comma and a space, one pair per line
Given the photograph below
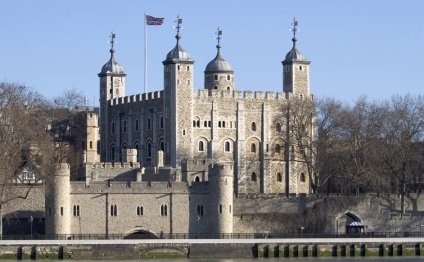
361, 47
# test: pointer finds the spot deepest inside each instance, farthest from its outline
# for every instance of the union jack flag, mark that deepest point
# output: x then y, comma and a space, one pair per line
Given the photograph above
150, 20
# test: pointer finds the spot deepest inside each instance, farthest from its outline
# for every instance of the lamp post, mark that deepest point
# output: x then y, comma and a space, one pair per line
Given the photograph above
31, 220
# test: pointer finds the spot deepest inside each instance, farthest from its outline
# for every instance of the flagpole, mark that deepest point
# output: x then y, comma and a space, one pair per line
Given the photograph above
145, 53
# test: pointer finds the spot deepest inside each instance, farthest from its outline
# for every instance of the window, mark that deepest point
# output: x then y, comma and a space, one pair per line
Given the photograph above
253, 148
228, 77
253, 126
188, 68
228, 88
112, 153
136, 125
201, 146
227, 147
83, 144
219, 123
113, 210
209, 123
231, 124
164, 210
277, 148
286, 68
198, 123
188, 82
194, 123
220, 209
223, 124
161, 122
199, 210
149, 123
302, 177
91, 144
137, 147
230, 209
205, 123
61, 211
279, 177
178, 82
162, 146
76, 210
178, 67
216, 78
300, 68
184, 132
253, 177
215, 87
125, 126
197, 179
113, 128
278, 127
140, 211
149, 149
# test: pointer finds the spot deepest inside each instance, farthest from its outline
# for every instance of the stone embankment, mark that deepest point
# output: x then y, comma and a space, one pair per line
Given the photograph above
204, 248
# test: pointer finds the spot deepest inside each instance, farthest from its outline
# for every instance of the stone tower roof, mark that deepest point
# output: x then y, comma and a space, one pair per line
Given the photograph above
112, 67
218, 64
178, 53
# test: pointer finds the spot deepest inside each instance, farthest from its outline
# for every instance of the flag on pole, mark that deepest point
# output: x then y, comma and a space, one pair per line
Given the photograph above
150, 20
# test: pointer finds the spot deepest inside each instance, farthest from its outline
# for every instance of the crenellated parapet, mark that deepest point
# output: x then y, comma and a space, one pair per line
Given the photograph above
132, 187
145, 97
254, 95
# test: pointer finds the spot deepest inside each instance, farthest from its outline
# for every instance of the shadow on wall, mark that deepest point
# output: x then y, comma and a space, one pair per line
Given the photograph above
20, 223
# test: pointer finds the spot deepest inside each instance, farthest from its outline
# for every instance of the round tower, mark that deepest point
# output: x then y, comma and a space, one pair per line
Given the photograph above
58, 205
112, 85
218, 72
295, 69
221, 190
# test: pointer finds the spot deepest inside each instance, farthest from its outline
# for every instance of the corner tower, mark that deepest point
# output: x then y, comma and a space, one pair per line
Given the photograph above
112, 85
218, 72
179, 95
295, 69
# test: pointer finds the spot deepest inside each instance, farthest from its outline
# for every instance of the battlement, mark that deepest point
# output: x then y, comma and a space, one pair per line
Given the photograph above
119, 187
114, 165
257, 95
136, 98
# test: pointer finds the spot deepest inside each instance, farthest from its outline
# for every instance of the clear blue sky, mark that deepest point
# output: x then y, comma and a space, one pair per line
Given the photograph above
361, 47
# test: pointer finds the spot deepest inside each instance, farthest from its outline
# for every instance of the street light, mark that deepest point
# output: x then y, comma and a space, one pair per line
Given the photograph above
31, 220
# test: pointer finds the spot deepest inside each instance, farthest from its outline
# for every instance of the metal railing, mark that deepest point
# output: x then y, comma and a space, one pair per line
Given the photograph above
213, 236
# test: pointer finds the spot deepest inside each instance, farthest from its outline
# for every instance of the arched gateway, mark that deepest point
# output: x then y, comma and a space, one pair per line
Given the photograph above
139, 233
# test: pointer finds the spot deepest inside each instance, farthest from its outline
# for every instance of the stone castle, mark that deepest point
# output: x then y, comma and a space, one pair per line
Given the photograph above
176, 160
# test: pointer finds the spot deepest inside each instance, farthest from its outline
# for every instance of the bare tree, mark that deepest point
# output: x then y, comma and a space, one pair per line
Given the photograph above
70, 99
24, 141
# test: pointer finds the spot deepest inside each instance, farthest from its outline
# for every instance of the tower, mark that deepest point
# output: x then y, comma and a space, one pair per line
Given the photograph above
178, 81
295, 69
112, 85
58, 206
221, 190
218, 72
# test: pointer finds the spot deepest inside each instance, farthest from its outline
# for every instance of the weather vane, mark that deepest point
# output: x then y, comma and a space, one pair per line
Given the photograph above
294, 30
178, 23
218, 37
112, 39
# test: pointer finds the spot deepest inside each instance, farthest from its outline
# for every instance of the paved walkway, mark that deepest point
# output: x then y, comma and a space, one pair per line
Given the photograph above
215, 241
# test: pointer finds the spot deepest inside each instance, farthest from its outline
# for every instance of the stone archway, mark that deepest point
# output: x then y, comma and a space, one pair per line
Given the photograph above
140, 234
349, 224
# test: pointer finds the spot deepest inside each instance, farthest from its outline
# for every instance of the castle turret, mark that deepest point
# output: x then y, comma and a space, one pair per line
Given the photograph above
112, 85
221, 179
58, 207
218, 72
179, 95
295, 69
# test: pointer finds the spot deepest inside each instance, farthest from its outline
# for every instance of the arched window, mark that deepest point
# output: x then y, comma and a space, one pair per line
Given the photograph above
279, 177
216, 78
228, 88
227, 147
302, 177
253, 126
178, 67
136, 125
300, 68
149, 123
205, 123
278, 127
228, 77
113, 128
253, 177
201, 146
197, 179
149, 149
215, 87
161, 122
188, 68
198, 123
194, 123
277, 148
162, 146
253, 148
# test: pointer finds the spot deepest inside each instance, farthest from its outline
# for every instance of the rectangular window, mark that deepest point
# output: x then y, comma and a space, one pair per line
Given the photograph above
61, 211
136, 125
125, 126
220, 209
91, 144
149, 124
161, 122
113, 128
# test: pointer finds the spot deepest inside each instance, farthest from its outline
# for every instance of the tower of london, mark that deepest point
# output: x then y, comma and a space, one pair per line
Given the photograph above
176, 160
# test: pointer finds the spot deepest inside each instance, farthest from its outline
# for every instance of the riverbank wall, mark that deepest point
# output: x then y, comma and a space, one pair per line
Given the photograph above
210, 248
